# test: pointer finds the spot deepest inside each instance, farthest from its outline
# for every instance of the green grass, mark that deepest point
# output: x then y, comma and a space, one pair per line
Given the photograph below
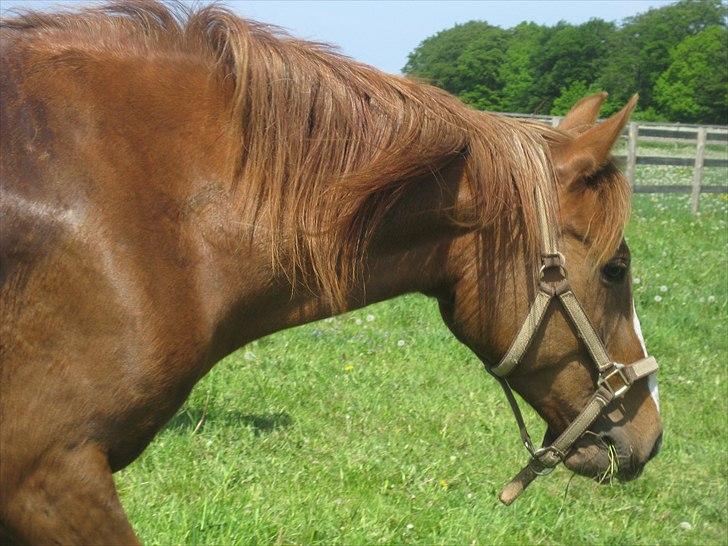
339, 433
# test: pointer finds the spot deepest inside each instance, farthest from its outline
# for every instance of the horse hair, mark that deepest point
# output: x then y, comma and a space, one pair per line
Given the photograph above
328, 145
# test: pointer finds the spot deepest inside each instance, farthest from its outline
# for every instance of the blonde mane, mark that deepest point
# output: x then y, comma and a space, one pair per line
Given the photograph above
327, 144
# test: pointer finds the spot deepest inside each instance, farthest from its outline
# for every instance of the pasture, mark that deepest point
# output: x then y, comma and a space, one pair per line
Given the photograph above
378, 427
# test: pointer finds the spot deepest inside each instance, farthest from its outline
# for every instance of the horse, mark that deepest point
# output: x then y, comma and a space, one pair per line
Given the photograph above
177, 183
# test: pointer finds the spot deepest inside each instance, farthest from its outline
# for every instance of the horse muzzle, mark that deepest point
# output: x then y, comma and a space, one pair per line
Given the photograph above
613, 454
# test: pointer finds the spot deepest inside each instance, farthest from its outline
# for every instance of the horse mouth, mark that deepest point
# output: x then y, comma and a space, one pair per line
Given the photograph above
597, 457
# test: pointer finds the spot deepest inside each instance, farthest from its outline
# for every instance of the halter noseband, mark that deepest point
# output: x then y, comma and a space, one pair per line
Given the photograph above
614, 380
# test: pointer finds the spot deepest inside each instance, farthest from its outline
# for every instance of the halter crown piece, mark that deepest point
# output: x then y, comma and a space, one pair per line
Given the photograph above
614, 379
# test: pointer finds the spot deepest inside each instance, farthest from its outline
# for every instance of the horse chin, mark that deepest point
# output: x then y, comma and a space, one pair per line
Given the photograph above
601, 460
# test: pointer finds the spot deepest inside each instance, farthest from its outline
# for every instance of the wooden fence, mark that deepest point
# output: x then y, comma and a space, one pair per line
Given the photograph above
699, 134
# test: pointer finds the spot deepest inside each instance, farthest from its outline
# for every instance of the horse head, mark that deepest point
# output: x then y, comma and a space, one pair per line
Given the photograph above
570, 334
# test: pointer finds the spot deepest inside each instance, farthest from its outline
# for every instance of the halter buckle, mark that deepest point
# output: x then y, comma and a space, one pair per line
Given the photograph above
537, 466
617, 371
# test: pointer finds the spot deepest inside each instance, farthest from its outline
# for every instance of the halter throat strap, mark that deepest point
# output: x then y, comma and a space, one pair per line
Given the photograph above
614, 379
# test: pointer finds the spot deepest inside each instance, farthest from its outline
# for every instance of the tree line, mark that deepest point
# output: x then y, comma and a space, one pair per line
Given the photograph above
675, 57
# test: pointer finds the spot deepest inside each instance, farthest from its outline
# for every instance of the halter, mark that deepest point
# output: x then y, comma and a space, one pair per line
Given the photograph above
614, 380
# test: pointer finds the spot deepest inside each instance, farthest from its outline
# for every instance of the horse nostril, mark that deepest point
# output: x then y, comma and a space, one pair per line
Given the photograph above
656, 447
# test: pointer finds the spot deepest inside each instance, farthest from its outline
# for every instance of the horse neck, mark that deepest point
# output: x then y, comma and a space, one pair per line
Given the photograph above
410, 252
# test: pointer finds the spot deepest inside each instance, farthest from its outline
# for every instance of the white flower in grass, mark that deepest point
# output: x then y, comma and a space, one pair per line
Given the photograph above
358, 322
711, 299
658, 298
663, 289
248, 356
637, 280
370, 318
400, 343
685, 526
410, 526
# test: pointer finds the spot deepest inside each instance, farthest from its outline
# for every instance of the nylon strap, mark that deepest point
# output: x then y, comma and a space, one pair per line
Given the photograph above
641, 368
522, 430
523, 339
548, 237
586, 330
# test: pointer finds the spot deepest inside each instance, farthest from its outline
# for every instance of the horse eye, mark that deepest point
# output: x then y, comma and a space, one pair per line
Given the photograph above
615, 271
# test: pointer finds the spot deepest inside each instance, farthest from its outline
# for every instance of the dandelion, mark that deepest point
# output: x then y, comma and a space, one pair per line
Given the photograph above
400, 343
349, 368
663, 289
658, 298
370, 318
444, 484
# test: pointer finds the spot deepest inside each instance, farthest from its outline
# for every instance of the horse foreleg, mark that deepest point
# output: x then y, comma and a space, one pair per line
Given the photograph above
68, 497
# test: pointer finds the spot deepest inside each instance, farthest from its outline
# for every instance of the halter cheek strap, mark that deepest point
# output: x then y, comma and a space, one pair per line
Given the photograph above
614, 379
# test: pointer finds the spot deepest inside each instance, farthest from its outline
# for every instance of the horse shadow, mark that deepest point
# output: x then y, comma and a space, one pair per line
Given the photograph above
190, 420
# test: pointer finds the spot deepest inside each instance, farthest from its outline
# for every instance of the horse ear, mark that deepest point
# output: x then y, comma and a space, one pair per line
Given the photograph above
584, 113
584, 154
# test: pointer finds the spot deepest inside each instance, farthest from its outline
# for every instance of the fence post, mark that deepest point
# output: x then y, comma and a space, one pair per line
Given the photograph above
698, 169
632, 153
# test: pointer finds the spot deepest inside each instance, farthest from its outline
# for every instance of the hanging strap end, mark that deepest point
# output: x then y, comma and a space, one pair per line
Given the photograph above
517, 485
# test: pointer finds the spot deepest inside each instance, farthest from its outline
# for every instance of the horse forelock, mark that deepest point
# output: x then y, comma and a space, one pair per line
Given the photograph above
326, 143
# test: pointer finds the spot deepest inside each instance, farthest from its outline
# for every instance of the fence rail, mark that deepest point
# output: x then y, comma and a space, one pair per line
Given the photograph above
700, 134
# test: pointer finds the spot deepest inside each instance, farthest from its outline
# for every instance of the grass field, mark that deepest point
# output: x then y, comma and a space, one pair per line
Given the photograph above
378, 427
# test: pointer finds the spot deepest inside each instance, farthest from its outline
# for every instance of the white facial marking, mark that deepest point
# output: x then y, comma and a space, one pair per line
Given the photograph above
652, 378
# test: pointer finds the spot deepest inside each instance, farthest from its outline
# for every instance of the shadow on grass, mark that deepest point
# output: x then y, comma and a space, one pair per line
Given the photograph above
191, 420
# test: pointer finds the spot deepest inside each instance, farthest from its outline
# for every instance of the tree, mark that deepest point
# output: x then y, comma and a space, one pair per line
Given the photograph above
650, 37
570, 95
461, 58
517, 71
533, 68
695, 85
568, 54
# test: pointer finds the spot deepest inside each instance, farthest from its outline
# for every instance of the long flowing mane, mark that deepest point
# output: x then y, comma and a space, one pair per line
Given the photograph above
328, 145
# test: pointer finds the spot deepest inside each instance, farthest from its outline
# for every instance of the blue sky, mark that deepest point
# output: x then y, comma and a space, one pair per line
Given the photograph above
383, 33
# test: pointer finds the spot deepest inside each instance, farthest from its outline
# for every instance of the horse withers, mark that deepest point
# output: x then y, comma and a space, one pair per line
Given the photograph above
177, 184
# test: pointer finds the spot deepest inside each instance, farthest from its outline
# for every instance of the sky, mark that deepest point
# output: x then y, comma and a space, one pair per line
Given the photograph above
383, 33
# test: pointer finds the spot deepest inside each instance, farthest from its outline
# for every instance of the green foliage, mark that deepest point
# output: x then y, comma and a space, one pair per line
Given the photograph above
533, 68
517, 72
460, 58
569, 54
570, 95
652, 35
694, 87
648, 114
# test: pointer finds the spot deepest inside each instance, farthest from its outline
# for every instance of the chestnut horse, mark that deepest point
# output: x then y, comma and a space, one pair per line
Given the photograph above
176, 184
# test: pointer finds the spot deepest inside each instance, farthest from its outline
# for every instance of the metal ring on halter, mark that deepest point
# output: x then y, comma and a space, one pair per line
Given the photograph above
543, 471
536, 458
553, 286
550, 261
